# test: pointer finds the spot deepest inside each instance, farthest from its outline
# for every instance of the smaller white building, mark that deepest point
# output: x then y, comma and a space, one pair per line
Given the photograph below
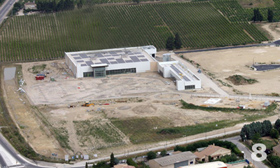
185, 79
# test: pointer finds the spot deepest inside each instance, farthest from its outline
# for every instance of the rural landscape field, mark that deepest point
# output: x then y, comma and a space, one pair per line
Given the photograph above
200, 25
122, 112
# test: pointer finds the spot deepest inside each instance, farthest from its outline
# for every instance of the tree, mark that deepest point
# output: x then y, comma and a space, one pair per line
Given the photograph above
86, 165
131, 162
60, 5
177, 42
270, 15
112, 160
137, 1
151, 155
80, 4
274, 133
257, 16
256, 137
266, 127
170, 43
277, 124
163, 153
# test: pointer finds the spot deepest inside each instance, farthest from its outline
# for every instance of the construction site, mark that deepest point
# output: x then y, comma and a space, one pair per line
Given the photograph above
71, 115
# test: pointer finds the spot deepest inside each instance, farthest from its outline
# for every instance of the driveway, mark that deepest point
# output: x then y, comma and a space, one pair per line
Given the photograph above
247, 152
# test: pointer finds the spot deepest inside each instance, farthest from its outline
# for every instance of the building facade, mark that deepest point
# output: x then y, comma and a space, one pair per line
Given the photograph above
99, 63
185, 79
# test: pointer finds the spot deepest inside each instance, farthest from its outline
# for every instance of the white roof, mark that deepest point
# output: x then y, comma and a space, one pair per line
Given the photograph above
110, 56
217, 164
180, 70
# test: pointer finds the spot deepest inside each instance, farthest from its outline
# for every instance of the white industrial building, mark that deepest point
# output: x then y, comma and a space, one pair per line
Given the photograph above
99, 63
185, 79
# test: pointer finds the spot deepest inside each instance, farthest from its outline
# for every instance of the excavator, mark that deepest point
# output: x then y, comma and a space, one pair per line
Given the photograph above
87, 104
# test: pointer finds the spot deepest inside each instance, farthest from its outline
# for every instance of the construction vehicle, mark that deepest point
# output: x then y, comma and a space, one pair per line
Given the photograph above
87, 104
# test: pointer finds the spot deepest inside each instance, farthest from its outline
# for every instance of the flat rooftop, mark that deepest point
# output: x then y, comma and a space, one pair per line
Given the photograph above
182, 72
110, 56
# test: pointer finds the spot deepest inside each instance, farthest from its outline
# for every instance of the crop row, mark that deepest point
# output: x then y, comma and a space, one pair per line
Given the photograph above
48, 36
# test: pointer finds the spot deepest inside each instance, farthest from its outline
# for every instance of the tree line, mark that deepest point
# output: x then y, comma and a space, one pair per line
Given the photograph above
52, 6
250, 131
258, 16
172, 42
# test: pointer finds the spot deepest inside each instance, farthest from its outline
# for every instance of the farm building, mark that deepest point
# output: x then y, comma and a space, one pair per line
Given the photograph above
173, 161
30, 5
185, 79
100, 63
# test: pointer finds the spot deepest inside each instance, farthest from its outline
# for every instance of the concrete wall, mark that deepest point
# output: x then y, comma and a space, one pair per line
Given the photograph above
154, 66
71, 65
180, 84
150, 50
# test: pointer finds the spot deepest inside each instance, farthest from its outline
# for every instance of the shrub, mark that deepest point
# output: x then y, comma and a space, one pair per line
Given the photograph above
151, 155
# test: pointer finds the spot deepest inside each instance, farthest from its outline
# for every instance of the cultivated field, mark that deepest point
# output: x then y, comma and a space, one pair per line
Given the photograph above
200, 25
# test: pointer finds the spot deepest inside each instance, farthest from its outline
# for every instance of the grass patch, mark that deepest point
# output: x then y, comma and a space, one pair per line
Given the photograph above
186, 105
143, 130
241, 80
62, 137
273, 94
224, 83
103, 133
37, 68
268, 143
271, 107
206, 127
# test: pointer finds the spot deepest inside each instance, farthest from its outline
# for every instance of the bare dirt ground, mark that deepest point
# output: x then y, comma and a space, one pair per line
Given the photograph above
273, 29
32, 128
89, 130
128, 96
224, 63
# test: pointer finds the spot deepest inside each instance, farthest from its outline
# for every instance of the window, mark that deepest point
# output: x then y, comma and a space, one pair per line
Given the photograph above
88, 74
190, 87
191, 162
121, 71
99, 72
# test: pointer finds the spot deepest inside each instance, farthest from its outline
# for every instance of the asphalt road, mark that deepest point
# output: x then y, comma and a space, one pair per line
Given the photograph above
22, 161
247, 152
2, 162
5, 8
230, 47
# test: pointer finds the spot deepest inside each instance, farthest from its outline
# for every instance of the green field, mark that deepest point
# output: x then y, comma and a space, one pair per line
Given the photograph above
48, 36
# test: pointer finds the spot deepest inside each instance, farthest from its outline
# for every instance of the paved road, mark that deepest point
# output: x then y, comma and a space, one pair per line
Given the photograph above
247, 152
5, 8
22, 162
2, 162
247, 97
231, 47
